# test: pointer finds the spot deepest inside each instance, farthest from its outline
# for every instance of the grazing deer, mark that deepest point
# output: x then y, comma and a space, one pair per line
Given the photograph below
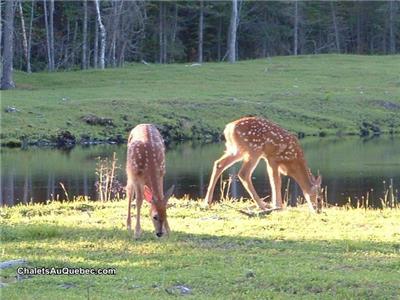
145, 169
252, 138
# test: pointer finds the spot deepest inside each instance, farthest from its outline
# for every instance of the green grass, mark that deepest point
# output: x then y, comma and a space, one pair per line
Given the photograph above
323, 94
218, 254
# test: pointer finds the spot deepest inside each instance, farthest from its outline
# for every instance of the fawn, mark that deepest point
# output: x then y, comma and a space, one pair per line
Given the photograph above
253, 138
145, 170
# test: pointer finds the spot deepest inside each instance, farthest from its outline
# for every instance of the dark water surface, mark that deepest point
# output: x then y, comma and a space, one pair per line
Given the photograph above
350, 167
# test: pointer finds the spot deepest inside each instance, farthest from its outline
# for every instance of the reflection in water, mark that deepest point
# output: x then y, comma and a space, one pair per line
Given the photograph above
351, 167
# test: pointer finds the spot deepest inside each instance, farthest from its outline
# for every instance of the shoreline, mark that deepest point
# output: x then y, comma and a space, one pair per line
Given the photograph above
69, 141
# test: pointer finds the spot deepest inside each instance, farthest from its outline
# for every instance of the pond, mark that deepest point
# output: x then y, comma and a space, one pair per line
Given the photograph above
350, 166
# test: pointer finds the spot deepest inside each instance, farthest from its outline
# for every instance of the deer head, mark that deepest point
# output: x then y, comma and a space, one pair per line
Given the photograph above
158, 210
316, 192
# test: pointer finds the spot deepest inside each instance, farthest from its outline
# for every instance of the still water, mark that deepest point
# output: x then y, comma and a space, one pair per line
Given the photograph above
350, 167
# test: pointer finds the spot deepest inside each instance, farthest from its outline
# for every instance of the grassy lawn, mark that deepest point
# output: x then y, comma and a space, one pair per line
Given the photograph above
324, 94
216, 254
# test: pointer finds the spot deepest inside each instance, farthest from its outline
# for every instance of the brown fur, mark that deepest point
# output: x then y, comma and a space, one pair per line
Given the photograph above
251, 139
146, 166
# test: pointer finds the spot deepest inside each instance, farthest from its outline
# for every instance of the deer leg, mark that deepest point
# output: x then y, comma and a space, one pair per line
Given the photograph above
309, 203
245, 177
276, 184
220, 165
139, 201
129, 194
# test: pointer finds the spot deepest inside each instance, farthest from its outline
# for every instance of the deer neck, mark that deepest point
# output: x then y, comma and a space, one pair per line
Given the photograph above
302, 176
156, 185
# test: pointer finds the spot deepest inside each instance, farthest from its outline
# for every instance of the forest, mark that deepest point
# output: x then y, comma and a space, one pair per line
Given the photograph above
63, 35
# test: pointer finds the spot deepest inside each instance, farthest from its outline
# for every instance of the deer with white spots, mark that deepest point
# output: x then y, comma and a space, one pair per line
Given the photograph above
253, 138
145, 169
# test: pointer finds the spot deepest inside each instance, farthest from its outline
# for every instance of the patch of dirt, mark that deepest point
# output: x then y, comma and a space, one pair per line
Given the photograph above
95, 120
388, 105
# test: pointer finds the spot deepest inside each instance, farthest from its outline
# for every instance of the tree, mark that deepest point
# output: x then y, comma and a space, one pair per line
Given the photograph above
28, 63
84, 35
392, 39
46, 22
162, 33
1, 25
51, 21
7, 81
335, 26
201, 30
24, 38
96, 45
102, 36
296, 27
232, 32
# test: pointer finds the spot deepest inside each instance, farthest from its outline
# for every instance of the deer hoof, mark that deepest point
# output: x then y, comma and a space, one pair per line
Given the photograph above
138, 233
205, 205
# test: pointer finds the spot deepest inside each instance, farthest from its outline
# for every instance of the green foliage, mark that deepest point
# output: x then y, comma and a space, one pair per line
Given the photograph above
309, 94
217, 254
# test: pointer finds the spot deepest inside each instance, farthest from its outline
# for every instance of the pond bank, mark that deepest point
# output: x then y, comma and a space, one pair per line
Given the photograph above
321, 95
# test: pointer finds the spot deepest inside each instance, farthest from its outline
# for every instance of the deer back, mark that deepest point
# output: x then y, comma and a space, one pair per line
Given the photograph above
258, 136
146, 158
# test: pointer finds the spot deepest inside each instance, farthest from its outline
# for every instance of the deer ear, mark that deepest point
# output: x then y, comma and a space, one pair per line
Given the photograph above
318, 180
148, 194
169, 193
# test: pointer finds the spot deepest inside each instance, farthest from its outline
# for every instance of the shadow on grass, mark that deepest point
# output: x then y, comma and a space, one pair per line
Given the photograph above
207, 263
52, 233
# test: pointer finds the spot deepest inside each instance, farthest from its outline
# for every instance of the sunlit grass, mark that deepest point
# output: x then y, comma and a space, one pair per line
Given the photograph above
217, 254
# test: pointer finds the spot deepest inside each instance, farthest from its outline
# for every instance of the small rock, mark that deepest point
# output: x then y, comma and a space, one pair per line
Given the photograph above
135, 286
250, 274
67, 285
179, 290
11, 109
215, 217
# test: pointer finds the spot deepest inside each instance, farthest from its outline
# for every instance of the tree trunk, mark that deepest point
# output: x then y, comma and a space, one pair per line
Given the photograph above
84, 35
66, 54
51, 23
174, 30
46, 23
74, 38
201, 29
96, 45
358, 28
219, 33
102, 36
161, 32
1, 29
392, 38
24, 38
296, 28
7, 81
232, 32
28, 63
117, 10
335, 26
114, 34
165, 34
